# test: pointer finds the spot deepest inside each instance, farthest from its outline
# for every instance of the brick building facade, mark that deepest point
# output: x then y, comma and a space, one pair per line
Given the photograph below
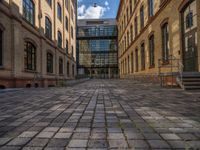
37, 42
153, 33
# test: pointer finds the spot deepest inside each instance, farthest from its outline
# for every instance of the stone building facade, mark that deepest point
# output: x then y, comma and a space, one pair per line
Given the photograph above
37, 42
153, 33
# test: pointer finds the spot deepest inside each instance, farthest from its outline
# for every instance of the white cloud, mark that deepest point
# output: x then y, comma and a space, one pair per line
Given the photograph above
106, 3
81, 10
91, 12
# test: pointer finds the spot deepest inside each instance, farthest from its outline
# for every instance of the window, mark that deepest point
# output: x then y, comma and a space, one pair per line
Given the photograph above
67, 47
142, 17
131, 33
59, 12
136, 26
49, 63
151, 51
29, 56
142, 56
49, 2
130, 3
48, 28
68, 69
66, 23
132, 65
59, 39
136, 60
29, 11
72, 51
128, 64
1, 47
72, 32
73, 70
151, 8
60, 66
165, 42
189, 20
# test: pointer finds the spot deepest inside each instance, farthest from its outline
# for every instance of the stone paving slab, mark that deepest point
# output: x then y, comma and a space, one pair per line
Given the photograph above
100, 115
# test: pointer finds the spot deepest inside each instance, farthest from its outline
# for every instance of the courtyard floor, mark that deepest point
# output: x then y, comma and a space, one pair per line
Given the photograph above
100, 114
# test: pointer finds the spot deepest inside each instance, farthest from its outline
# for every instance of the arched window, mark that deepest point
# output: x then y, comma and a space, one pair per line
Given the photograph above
49, 63
60, 66
59, 12
48, 28
151, 51
1, 47
29, 56
59, 39
165, 42
29, 11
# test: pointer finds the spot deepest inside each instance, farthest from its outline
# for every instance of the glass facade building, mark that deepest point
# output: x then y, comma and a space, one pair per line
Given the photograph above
97, 52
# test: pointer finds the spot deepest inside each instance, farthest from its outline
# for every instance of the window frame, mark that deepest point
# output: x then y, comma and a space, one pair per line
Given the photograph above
30, 55
26, 11
50, 62
49, 29
59, 11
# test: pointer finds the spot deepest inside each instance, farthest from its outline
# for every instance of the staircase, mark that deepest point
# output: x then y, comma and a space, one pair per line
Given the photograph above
189, 81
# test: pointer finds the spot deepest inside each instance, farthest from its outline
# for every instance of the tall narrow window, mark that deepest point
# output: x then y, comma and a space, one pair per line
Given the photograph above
165, 42
48, 28
59, 39
128, 64
29, 56
131, 33
67, 47
142, 17
142, 56
130, 3
72, 51
136, 60
1, 47
132, 64
189, 20
72, 32
59, 12
136, 26
151, 8
29, 11
60, 66
68, 69
49, 63
151, 51
49, 2
66, 23
73, 70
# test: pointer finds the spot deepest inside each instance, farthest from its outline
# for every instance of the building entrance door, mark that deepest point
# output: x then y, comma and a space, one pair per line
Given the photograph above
189, 29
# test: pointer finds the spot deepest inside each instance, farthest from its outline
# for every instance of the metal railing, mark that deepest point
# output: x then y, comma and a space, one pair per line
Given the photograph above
170, 67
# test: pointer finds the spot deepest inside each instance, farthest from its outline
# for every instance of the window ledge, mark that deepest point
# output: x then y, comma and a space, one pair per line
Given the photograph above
30, 71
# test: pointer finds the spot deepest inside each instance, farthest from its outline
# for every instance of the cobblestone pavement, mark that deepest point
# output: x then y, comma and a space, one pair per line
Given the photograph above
100, 115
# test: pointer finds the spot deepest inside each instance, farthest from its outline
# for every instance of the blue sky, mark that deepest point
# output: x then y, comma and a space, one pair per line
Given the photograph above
103, 9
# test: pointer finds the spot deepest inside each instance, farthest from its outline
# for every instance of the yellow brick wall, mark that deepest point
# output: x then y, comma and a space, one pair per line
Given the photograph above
170, 12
